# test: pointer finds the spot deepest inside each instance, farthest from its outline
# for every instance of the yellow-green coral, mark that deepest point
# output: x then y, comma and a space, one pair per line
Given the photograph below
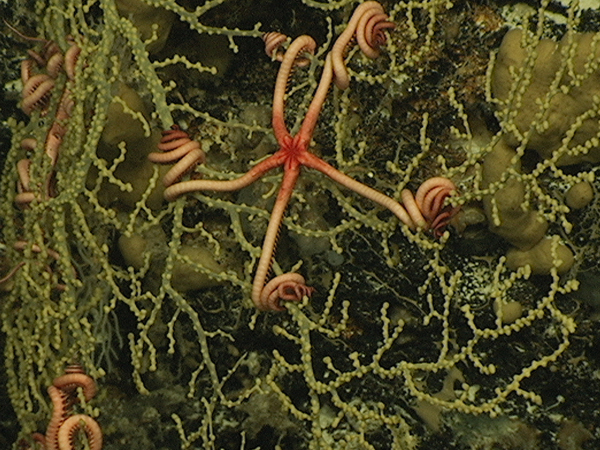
400, 321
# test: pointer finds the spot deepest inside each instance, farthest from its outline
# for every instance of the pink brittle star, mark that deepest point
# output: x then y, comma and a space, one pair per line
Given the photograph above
64, 426
292, 154
368, 22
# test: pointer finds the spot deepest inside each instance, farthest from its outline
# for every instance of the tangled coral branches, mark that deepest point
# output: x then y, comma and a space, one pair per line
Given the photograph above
36, 95
61, 433
37, 89
22, 246
177, 145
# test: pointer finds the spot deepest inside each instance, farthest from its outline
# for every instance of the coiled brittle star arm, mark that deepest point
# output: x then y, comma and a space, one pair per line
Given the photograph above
367, 24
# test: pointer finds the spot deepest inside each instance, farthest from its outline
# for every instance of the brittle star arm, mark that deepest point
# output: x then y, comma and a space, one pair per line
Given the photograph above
314, 162
302, 43
259, 297
183, 187
314, 109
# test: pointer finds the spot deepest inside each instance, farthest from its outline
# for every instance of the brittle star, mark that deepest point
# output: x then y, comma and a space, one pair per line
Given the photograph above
368, 20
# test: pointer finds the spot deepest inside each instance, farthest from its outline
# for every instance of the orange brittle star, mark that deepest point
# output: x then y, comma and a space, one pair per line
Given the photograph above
368, 23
